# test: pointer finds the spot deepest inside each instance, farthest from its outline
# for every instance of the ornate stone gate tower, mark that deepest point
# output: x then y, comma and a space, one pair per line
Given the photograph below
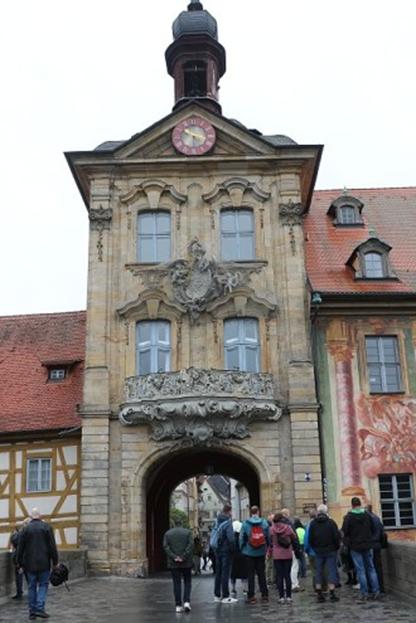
198, 352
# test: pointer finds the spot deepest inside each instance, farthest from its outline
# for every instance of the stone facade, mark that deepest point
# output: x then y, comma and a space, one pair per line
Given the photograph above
268, 420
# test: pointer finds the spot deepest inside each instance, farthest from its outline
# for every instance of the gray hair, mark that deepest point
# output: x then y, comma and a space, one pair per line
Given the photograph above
322, 508
34, 513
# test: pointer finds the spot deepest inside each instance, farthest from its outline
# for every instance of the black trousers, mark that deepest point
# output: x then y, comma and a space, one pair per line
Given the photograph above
177, 575
256, 566
283, 579
379, 567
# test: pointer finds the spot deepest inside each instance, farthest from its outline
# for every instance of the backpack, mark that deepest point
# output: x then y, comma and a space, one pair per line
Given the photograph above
257, 537
217, 535
284, 540
59, 575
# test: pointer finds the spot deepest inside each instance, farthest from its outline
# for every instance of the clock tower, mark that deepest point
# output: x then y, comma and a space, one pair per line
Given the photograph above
195, 59
198, 357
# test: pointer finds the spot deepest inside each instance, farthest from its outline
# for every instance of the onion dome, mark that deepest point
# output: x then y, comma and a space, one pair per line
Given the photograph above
195, 21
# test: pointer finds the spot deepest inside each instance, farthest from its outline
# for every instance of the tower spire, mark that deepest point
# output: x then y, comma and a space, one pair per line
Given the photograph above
195, 59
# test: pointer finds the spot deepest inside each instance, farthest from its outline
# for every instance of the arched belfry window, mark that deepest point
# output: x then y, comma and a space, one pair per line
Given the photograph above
153, 236
373, 265
237, 235
346, 211
153, 346
241, 344
195, 77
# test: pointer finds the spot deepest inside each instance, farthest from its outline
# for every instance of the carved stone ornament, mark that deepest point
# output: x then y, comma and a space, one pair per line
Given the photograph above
292, 214
100, 220
199, 406
197, 281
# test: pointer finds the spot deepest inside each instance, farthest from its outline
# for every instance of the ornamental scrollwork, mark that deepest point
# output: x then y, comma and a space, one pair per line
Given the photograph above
100, 219
292, 214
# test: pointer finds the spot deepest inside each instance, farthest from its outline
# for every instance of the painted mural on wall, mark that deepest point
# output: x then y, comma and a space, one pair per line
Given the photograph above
387, 434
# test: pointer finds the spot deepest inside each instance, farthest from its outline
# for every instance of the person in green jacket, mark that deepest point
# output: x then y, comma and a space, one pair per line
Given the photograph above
300, 533
178, 544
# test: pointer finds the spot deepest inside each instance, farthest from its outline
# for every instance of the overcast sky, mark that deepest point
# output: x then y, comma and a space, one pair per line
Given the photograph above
76, 73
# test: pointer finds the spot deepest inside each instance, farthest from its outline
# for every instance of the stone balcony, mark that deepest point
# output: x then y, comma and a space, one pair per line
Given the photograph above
199, 406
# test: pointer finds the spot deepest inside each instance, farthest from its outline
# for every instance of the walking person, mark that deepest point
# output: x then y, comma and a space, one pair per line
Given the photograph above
358, 531
222, 542
282, 543
18, 576
239, 564
36, 555
378, 543
178, 544
254, 543
325, 540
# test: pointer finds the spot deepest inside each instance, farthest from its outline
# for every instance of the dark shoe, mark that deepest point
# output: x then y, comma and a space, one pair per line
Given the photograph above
252, 600
32, 616
321, 598
363, 598
265, 598
42, 614
18, 596
376, 596
333, 597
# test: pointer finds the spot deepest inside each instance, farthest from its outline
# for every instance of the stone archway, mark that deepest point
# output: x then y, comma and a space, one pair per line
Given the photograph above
167, 472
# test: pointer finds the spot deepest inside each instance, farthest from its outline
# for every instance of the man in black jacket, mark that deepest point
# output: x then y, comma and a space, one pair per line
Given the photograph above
324, 538
178, 544
379, 541
358, 529
36, 553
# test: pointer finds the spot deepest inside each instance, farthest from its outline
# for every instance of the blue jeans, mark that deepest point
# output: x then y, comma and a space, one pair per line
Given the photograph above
38, 582
222, 574
330, 561
364, 566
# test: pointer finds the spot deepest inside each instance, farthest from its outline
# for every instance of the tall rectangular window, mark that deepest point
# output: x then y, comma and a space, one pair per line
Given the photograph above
153, 346
383, 362
38, 475
398, 505
153, 237
237, 235
241, 344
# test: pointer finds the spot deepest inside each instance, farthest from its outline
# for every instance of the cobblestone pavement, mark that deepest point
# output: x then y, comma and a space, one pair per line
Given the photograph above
119, 600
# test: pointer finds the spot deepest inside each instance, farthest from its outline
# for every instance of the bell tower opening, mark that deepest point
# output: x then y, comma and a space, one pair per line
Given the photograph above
199, 466
195, 76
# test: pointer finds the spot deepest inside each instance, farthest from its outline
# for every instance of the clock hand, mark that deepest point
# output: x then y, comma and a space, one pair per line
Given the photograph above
193, 134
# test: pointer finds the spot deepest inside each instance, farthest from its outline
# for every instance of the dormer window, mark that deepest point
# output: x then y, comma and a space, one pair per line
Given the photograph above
346, 211
370, 260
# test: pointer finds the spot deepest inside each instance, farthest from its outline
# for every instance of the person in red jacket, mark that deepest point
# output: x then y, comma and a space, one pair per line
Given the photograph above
283, 539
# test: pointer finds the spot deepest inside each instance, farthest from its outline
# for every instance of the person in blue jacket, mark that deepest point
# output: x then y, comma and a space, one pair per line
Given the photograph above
224, 551
254, 543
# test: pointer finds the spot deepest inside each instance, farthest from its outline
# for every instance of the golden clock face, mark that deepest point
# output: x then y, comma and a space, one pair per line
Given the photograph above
193, 136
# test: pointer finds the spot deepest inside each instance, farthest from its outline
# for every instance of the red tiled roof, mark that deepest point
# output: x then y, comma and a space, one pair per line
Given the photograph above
390, 213
28, 402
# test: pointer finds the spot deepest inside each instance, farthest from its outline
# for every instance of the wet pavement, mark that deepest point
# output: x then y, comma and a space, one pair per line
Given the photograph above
120, 600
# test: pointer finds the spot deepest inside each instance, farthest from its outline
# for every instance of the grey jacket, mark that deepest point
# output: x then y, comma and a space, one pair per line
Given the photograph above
179, 542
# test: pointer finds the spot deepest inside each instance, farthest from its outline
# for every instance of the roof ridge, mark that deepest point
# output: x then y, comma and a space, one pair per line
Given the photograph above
366, 188
60, 314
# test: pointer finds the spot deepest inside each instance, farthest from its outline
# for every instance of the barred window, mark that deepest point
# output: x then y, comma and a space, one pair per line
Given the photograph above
241, 344
153, 346
38, 475
237, 235
153, 231
398, 505
383, 361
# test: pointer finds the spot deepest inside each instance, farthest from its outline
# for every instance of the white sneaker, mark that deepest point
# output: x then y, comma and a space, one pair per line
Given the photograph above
187, 606
229, 600
217, 600
179, 609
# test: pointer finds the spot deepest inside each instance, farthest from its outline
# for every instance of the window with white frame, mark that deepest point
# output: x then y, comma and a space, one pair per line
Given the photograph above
241, 344
153, 236
383, 363
56, 374
237, 235
397, 498
374, 265
347, 215
38, 475
153, 346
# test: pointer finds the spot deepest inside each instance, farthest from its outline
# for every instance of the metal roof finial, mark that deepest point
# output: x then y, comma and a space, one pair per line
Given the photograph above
195, 5
345, 191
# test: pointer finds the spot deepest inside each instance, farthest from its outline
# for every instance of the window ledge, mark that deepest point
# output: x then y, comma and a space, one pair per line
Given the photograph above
399, 392
394, 528
349, 225
387, 278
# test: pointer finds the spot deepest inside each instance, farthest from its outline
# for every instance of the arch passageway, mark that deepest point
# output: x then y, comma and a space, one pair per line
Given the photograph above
165, 475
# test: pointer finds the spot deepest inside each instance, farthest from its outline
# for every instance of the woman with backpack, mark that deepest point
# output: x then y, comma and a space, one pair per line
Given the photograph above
283, 541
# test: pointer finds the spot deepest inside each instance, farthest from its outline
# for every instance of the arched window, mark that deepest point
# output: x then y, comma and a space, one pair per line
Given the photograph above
374, 266
153, 236
237, 235
241, 344
347, 215
153, 346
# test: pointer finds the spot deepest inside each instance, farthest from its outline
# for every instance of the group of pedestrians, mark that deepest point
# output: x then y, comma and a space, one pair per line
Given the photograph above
273, 552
